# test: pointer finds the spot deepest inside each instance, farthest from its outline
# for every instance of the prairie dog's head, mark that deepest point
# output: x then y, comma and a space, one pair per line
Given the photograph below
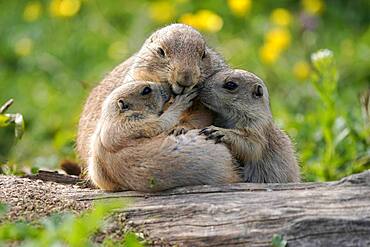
136, 99
237, 94
176, 54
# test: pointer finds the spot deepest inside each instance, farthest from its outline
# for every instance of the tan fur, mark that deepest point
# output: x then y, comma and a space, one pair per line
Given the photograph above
244, 123
183, 67
130, 150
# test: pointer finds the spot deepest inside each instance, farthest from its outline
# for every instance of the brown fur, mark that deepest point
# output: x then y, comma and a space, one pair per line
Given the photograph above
187, 62
70, 167
244, 123
130, 150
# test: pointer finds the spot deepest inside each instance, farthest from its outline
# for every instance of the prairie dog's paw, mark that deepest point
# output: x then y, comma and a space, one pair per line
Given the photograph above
219, 135
184, 101
178, 131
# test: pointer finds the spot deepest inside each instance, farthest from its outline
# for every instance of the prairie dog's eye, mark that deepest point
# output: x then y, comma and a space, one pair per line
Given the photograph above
258, 91
204, 54
161, 52
146, 90
123, 106
230, 85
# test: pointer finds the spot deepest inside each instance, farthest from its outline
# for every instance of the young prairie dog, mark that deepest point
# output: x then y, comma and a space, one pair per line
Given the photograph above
244, 123
131, 150
176, 54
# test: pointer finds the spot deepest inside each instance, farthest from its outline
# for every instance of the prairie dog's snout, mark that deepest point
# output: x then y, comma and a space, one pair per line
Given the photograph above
184, 80
187, 77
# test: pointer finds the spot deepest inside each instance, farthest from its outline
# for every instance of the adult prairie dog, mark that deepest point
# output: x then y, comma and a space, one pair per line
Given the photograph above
131, 150
176, 54
244, 123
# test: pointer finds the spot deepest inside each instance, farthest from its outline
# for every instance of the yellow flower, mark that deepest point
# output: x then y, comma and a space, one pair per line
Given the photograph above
189, 19
281, 17
276, 41
313, 6
269, 54
240, 7
32, 11
162, 11
209, 21
23, 47
69, 7
65, 8
301, 70
278, 37
204, 20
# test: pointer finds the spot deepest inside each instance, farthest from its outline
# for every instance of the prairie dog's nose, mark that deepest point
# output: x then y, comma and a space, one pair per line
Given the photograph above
185, 79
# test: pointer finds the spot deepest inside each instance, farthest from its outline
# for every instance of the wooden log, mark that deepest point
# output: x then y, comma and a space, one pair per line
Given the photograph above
54, 176
303, 214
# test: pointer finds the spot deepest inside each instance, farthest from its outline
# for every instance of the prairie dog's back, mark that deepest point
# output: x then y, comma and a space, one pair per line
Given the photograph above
92, 108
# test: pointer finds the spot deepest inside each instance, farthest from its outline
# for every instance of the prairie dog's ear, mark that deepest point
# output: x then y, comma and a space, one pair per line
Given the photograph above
123, 106
257, 91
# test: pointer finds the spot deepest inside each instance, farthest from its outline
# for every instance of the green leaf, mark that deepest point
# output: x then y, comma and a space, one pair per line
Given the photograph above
131, 240
278, 241
17, 119
4, 120
34, 170
18, 231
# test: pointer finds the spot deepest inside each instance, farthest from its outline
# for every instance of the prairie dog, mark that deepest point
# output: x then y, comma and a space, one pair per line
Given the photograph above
176, 54
244, 123
130, 150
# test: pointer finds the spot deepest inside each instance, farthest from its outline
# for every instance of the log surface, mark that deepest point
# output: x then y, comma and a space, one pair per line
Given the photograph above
304, 214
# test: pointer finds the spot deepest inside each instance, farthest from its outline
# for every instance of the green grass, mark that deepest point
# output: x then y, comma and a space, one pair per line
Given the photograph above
64, 229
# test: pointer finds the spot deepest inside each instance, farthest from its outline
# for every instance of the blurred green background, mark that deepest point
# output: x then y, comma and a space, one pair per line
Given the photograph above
52, 52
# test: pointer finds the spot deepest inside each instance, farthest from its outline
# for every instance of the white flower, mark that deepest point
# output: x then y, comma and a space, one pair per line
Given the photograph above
322, 59
321, 54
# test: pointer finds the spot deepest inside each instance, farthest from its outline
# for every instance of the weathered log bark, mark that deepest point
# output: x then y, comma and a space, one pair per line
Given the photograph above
304, 214
54, 177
